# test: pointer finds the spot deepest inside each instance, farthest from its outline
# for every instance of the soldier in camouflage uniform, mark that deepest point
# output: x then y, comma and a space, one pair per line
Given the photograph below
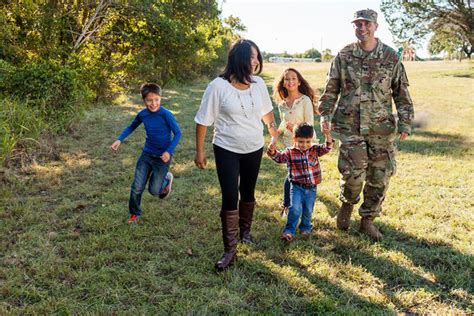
362, 80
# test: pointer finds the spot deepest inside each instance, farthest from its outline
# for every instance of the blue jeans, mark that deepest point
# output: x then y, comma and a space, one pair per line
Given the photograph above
302, 201
286, 193
148, 167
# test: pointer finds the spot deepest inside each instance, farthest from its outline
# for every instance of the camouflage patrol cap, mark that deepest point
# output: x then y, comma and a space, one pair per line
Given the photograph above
367, 15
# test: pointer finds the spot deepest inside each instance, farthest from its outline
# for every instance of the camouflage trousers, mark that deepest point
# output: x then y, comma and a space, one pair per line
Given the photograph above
369, 159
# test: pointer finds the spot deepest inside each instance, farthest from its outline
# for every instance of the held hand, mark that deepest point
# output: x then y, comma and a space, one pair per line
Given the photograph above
115, 145
403, 136
273, 141
271, 148
200, 159
165, 156
328, 138
325, 128
289, 126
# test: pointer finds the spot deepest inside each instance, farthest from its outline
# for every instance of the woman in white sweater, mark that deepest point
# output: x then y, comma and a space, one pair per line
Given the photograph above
236, 103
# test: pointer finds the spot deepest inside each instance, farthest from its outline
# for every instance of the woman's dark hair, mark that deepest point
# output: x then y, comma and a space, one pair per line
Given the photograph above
304, 130
238, 62
147, 88
280, 93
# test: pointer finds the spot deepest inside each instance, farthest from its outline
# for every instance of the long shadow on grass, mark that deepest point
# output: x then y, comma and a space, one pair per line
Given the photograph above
443, 269
452, 269
343, 297
435, 144
282, 269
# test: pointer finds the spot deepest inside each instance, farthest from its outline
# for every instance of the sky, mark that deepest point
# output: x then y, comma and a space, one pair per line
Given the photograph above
298, 25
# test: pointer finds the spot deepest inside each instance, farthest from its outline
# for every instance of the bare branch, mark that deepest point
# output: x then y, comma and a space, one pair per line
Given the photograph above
94, 23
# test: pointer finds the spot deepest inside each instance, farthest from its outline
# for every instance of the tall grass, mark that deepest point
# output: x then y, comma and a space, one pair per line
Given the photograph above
20, 124
38, 99
65, 246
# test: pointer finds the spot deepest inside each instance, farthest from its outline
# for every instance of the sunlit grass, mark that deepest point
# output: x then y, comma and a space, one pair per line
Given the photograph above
66, 249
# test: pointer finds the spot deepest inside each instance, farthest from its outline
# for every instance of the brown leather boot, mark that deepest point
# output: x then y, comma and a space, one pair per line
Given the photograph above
367, 227
344, 216
245, 221
230, 227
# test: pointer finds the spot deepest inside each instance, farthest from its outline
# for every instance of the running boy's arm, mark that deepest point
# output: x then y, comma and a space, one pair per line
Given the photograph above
126, 132
176, 137
176, 133
115, 145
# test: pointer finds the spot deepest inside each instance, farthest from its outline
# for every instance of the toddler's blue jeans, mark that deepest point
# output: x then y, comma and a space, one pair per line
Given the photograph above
302, 201
148, 167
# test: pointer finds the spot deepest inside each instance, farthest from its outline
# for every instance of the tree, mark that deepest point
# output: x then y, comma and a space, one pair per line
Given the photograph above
235, 23
312, 53
444, 41
122, 41
418, 19
327, 55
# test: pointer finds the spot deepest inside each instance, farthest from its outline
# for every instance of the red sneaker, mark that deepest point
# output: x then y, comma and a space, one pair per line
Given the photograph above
133, 218
167, 190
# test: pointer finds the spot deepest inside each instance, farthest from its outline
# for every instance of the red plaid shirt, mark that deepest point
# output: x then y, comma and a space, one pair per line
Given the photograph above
303, 166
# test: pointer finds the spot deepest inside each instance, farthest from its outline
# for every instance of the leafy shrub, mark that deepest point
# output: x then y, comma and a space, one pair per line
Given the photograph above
39, 97
54, 90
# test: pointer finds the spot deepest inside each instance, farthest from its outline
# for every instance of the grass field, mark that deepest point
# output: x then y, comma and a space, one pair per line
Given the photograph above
65, 246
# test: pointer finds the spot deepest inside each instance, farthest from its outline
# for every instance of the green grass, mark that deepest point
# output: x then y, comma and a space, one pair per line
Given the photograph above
65, 246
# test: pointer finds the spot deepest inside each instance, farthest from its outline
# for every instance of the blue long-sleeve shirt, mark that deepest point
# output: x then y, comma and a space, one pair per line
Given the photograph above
158, 126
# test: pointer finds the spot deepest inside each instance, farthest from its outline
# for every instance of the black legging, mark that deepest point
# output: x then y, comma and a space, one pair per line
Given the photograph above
230, 166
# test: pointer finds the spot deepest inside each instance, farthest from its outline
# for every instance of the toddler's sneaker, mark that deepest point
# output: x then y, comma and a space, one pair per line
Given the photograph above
288, 237
167, 190
133, 219
306, 234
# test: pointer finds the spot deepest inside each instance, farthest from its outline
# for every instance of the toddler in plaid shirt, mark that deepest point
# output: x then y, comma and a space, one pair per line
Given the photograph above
304, 173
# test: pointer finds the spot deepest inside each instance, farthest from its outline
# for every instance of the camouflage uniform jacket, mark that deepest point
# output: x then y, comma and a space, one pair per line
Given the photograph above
366, 83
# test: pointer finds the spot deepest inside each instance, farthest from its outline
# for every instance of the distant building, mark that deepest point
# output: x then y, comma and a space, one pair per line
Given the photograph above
277, 59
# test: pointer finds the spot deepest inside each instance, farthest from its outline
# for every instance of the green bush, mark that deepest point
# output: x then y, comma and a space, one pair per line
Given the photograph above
36, 98
55, 90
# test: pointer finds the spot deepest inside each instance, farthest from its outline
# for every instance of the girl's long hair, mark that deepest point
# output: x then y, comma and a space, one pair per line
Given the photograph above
280, 93
238, 65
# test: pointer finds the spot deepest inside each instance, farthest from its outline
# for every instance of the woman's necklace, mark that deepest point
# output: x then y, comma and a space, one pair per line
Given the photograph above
242, 103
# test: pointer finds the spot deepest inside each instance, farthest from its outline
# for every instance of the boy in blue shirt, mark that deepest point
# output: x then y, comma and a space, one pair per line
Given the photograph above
157, 153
